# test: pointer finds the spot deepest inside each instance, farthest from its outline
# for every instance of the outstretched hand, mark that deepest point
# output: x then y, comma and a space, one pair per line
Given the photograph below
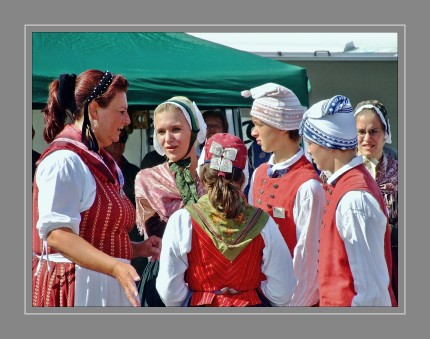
127, 277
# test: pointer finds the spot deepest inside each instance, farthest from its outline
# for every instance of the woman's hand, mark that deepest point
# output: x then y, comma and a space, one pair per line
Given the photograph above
127, 277
79, 251
150, 247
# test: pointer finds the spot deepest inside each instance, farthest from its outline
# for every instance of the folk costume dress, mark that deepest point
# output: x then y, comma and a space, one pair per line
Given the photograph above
81, 190
208, 260
291, 192
355, 250
157, 197
386, 176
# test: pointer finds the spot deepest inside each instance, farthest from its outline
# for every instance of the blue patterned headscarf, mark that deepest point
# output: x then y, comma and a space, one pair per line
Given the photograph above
330, 123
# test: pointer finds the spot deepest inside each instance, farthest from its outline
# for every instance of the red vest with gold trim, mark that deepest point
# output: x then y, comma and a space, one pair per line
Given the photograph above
209, 272
281, 192
336, 284
106, 224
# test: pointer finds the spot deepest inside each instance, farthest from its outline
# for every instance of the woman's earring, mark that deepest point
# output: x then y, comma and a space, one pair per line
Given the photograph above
95, 124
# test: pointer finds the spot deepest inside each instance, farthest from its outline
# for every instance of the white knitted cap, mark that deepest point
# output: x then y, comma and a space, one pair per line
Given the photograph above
276, 106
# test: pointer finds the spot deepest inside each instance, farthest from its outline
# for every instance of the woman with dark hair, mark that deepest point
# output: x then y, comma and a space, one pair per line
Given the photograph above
161, 190
81, 216
222, 251
373, 130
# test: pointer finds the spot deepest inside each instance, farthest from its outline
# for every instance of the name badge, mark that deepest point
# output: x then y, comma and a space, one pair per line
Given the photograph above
279, 212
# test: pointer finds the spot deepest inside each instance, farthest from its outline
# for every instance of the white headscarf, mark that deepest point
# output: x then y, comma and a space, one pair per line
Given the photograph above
330, 123
197, 115
386, 122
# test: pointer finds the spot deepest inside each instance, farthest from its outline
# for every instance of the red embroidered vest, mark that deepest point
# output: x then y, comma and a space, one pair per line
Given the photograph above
336, 284
281, 192
106, 224
209, 271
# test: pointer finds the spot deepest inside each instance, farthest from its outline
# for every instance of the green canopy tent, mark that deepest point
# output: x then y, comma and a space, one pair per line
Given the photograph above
159, 66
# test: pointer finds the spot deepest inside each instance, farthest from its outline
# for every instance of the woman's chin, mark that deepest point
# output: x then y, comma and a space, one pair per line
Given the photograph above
172, 156
367, 153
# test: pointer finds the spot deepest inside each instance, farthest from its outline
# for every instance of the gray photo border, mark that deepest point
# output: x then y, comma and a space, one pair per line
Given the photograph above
15, 323
29, 29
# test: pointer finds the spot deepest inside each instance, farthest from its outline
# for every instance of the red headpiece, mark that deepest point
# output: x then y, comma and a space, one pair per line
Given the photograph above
225, 151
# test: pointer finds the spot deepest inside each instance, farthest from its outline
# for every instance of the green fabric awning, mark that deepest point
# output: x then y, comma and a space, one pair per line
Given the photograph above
159, 66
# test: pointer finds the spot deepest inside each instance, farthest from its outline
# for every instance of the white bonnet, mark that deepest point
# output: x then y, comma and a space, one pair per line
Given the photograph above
194, 118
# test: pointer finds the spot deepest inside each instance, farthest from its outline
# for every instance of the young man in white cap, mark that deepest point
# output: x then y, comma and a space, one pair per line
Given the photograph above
355, 257
287, 186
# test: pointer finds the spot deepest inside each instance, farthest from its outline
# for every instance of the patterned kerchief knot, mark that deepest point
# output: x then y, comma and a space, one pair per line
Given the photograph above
222, 158
330, 123
337, 104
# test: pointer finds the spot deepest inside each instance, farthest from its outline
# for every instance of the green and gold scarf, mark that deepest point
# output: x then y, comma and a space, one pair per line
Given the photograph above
230, 236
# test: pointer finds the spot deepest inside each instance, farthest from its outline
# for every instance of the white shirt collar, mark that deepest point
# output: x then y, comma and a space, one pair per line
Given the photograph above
287, 163
353, 163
